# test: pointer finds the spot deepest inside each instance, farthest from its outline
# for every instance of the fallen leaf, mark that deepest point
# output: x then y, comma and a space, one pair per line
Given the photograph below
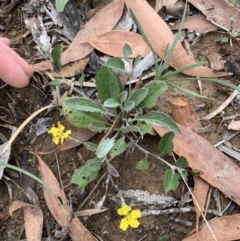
69, 70
112, 42
198, 23
160, 37
103, 21
216, 61
184, 114
61, 213
234, 125
33, 219
224, 228
82, 135
218, 11
218, 170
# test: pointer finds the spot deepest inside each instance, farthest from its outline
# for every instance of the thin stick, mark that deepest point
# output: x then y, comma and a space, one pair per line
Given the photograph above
13, 137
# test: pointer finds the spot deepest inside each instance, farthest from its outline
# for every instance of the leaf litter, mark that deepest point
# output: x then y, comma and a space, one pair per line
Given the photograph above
176, 62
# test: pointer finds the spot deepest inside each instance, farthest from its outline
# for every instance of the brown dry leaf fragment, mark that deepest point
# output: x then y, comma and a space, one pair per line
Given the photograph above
198, 23
224, 228
101, 22
218, 170
184, 114
234, 125
33, 219
72, 69
200, 192
112, 43
216, 61
42, 66
61, 213
66, 71
217, 10
81, 135
160, 37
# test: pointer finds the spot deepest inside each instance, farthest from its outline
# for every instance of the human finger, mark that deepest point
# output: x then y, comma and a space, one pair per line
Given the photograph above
10, 70
21, 62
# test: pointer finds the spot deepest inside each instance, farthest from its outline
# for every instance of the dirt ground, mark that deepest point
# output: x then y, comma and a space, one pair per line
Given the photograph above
104, 225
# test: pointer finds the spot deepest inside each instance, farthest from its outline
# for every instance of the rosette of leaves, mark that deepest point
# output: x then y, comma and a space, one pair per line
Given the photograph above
117, 111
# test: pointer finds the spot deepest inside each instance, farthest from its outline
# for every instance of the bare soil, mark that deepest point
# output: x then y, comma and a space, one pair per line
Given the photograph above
105, 225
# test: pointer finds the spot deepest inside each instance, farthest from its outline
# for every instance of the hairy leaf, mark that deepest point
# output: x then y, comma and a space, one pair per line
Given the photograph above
116, 63
143, 164
105, 147
123, 96
119, 147
155, 89
161, 119
129, 105
127, 129
111, 103
138, 96
108, 84
127, 51
87, 173
84, 104
80, 119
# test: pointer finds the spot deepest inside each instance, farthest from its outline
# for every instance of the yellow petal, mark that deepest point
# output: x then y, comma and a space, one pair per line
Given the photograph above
54, 131
124, 224
124, 210
136, 213
133, 222
60, 127
55, 140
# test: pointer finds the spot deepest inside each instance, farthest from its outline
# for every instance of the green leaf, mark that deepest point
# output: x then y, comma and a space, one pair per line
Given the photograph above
123, 96
90, 146
80, 119
108, 84
60, 4
164, 238
127, 129
137, 60
105, 147
143, 164
85, 104
171, 181
87, 173
111, 103
56, 55
155, 89
165, 145
56, 83
129, 105
98, 127
224, 39
160, 119
116, 63
138, 96
182, 162
127, 51
81, 79
145, 128
119, 147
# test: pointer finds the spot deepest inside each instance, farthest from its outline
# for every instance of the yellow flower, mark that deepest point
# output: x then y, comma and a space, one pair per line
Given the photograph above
59, 134
130, 218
